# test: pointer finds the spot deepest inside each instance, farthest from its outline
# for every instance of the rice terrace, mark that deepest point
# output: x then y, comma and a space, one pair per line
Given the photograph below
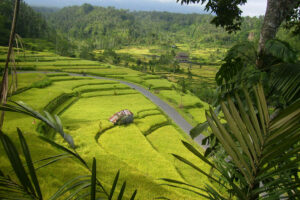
159, 100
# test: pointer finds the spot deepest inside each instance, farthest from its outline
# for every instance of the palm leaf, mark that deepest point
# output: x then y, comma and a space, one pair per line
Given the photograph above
197, 130
181, 183
93, 180
187, 189
133, 195
285, 82
236, 60
17, 165
281, 49
70, 185
262, 149
12, 190
114, 186
30, 164
55, 122
122, 191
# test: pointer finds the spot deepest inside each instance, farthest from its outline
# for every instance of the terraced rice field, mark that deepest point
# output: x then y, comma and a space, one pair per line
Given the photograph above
206, 62
141, 151
47, 61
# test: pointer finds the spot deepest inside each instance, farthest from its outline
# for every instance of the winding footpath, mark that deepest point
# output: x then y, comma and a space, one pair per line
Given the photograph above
170, 111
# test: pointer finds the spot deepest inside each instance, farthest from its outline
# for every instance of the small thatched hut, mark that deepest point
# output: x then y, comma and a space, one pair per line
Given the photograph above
182, 57
122, 117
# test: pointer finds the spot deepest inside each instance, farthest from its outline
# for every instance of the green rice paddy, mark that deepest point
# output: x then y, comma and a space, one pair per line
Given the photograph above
141, 151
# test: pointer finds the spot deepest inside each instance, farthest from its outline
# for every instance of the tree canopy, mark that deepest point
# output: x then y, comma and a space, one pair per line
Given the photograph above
112, 28
228, 12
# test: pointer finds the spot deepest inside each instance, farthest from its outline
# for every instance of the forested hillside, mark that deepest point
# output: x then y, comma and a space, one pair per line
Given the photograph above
111, 28
30, 24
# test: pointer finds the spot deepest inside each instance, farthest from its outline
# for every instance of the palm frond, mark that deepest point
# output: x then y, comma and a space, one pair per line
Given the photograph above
53, 122
93, 180
16, 163
30, 166
236, 60
114, 186
197, 130
285, 82
281, 50
259, 149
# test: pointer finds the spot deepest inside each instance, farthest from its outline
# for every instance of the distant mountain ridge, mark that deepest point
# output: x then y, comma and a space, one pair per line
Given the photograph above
44, 10
111, 28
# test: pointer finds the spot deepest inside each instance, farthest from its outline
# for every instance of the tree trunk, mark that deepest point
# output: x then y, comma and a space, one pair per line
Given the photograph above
276, 13
4, 85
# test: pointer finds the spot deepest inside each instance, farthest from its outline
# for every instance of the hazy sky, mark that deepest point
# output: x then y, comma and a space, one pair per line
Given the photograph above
252, 8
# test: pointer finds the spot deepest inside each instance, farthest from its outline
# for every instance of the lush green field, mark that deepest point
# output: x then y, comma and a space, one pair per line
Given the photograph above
199, 72
48, 61
142, 150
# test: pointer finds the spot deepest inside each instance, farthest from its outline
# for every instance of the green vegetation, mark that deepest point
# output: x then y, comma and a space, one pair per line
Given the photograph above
34, 27
125, 146
161, 87
251, 136
118, 28
252, 141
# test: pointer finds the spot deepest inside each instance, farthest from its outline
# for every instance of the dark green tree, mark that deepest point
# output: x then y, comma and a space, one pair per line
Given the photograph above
228, 15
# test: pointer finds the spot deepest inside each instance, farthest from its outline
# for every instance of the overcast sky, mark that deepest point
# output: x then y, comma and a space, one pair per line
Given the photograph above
252, 8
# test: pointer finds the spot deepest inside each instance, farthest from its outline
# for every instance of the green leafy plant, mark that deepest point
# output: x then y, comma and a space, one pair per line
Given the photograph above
42, 83
280, 73
261, 153
27, 186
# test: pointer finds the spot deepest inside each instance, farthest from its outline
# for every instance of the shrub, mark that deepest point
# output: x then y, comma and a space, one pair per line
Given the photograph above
52, 105
207, 94
42, 83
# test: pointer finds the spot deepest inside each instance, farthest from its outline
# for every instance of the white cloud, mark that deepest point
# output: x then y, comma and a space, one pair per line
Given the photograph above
251, 8
254, 8
165, 1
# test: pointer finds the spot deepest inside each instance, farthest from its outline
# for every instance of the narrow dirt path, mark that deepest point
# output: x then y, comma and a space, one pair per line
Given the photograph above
170, 111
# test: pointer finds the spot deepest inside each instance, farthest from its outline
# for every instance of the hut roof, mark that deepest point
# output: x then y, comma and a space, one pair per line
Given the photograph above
182, 55
117, 116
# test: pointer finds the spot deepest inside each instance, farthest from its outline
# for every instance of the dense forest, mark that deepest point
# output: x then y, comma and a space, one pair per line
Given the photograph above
30, 24
111, 28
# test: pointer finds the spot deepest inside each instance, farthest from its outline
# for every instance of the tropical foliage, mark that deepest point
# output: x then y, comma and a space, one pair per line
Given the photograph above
104, 28
31, 24
27, 186
260, 156
280, 74
254, 148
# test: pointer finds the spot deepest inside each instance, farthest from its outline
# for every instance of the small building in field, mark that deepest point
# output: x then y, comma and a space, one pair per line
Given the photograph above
251, 36
182, 57
122, 117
